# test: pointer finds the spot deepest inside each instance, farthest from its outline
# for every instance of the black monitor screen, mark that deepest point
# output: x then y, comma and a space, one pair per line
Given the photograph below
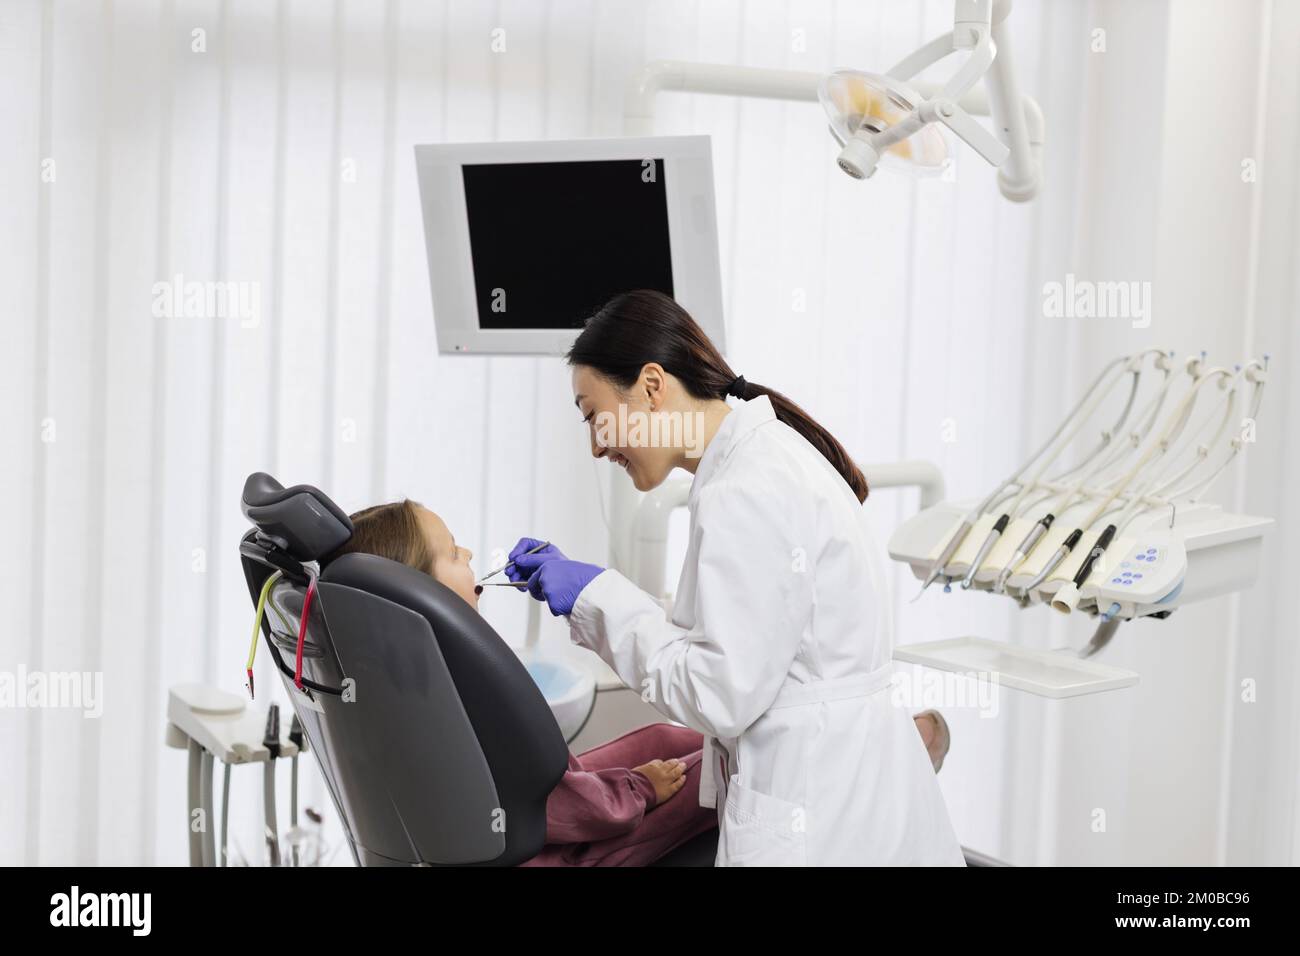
552, 242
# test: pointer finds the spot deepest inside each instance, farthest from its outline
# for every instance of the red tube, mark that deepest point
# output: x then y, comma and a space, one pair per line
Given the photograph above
302, 631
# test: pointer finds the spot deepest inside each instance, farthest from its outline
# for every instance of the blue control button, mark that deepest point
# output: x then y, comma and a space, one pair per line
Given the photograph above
1116, 580
1129, 581
1127, 574
1151, 550
1136, 576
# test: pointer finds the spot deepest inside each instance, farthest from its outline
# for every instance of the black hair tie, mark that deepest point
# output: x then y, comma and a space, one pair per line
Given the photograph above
737, 388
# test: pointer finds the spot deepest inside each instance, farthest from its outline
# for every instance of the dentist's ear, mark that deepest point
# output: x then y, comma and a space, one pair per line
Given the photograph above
654, 383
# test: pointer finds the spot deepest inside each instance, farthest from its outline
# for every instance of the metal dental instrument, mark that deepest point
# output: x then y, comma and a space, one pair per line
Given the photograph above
544, 544
505, 584
1022, 552
998, 527
1098, 549
1064, 604
1054, 562
942, 561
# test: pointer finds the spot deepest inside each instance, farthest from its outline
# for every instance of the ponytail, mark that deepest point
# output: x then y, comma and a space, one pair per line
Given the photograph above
637, 328
817, 436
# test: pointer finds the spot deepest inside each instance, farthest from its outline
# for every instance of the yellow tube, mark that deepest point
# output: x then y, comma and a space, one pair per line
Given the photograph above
257, 621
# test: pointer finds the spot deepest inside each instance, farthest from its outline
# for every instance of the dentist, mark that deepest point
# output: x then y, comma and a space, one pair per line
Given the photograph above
779, 644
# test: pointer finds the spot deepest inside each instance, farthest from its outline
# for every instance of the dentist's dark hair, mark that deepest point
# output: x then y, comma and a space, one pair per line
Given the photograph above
634, 329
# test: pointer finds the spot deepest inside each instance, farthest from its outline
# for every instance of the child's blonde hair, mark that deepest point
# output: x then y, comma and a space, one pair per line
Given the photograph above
391, 531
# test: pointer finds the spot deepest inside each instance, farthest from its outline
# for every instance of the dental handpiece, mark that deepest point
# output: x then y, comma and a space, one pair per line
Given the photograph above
1022, 552
1054, 562
942, 561
998, 527
1067, 598
1098, 549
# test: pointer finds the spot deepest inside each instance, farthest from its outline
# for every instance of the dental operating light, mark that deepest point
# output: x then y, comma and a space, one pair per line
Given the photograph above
894, 119
882, 117
872, 118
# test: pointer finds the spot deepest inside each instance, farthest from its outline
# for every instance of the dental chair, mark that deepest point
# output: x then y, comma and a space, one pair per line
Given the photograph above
436, 745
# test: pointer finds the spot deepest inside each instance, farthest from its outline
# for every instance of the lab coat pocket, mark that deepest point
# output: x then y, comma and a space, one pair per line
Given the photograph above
761, 830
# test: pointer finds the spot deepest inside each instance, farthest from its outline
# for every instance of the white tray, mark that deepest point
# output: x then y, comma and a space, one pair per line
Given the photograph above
1053, 674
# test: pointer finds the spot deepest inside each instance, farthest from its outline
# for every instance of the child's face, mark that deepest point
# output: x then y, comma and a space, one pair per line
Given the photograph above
450, 562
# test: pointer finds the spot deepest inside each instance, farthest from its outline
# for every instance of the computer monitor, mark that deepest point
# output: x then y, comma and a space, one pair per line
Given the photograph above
525, 240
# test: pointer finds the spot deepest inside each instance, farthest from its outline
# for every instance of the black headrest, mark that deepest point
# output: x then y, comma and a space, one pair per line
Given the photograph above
300, 520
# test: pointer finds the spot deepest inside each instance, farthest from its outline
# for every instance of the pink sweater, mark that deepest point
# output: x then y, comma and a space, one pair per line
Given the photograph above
603, 813
590, 805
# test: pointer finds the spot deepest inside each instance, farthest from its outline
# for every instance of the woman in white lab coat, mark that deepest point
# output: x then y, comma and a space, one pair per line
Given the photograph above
779, 644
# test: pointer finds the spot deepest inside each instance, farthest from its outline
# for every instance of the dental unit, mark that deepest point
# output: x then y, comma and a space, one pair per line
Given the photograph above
1122, 533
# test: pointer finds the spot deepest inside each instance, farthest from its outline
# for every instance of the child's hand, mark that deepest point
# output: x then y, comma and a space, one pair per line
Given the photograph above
668, 776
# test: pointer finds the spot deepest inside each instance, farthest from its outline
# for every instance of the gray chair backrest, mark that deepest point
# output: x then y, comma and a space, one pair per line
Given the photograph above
435, 743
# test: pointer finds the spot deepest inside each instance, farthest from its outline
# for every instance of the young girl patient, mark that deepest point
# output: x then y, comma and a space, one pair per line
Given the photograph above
624, 803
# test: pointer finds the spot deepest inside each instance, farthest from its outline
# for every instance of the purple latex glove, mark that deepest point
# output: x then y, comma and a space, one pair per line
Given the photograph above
526, 565
559, 582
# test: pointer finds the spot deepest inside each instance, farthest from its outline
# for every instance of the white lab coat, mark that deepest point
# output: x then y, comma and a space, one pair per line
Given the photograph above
778, 651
